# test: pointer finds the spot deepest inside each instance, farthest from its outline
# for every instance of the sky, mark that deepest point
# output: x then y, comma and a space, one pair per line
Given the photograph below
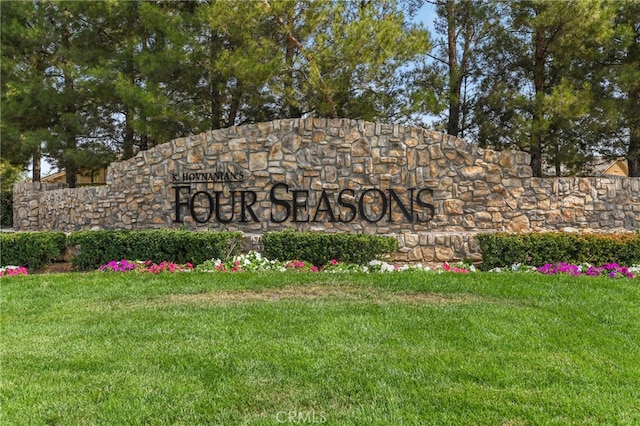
426, 15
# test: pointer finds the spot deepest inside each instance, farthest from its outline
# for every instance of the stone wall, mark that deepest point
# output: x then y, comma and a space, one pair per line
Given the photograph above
432, 191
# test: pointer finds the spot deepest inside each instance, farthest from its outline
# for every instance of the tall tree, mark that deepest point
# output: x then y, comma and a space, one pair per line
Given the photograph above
624, 78
73, 143
345, 59
26, 108
99, 76
135, 68
46, 99
534, 92
462, 25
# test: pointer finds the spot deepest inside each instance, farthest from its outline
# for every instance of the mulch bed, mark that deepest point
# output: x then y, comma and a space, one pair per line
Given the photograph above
55, 268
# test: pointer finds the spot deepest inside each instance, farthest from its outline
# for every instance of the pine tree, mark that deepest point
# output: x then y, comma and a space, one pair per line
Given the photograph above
535, 91
463, 25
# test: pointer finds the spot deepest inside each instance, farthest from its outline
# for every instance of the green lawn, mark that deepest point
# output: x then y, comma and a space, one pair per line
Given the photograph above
387, 349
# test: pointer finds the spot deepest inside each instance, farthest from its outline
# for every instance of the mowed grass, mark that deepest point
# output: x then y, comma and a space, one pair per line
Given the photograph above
259, 349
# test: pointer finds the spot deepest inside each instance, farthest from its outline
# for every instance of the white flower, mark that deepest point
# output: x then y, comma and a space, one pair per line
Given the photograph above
386, 267
8, 267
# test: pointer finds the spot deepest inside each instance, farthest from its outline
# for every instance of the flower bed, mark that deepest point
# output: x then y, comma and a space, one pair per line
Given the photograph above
10, 271
148, 266
611, 270
255, 262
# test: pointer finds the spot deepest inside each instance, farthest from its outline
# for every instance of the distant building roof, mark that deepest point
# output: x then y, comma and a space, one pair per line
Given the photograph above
618, 167
84, 177
55, 177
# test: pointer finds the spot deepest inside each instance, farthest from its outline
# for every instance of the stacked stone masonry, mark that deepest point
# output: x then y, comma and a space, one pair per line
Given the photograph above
470, 189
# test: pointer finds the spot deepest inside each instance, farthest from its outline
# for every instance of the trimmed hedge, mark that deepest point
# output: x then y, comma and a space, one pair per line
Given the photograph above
320, 248
100, 247
536, 249
33, 250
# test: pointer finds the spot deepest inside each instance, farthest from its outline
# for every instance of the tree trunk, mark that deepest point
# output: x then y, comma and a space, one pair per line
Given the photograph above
633, 112
72, 174
535, 148
37, 165
129, 134
215, 96
289, 100
69, 133
234, 106
455, 80
633, 154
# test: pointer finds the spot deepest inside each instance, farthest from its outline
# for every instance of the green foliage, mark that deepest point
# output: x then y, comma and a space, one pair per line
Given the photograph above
171, 69
536, 92
32, 250
100, 247
9, 175
320, 248
536, 249
460, 27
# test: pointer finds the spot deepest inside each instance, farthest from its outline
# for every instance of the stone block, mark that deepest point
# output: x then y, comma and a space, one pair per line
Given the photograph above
568, 215
472, 172
544, 204
518, 224
428, 254
506, 160
480, 193
493, 178
443, 254
291, 143
524, 171
494, 200
482, 217
194, 155
435, 152
453, 207
572, 201
414, 255
257, 161
275, 153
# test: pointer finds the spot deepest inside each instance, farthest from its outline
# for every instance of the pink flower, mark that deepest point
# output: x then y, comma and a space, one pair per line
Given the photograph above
454, 269
12, 271
146, 266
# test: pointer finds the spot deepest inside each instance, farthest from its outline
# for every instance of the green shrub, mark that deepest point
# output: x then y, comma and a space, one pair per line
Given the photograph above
320, 248
6, 210
536, 249
32, 250
9, 174
100, 247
